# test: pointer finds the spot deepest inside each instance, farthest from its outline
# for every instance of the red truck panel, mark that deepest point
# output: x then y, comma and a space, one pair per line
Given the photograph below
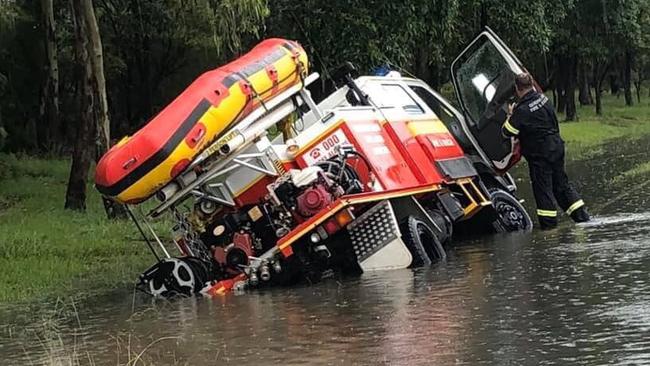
413, 153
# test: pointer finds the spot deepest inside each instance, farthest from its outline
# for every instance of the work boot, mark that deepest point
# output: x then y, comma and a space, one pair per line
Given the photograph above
580, 215
547, 223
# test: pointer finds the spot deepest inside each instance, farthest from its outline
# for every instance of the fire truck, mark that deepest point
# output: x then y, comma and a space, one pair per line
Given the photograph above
261, 185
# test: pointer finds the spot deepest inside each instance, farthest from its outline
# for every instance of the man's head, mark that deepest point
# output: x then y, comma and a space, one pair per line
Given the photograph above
523, 84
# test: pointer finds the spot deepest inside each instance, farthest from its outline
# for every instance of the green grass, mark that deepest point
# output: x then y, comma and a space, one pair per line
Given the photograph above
47, 251
617, 121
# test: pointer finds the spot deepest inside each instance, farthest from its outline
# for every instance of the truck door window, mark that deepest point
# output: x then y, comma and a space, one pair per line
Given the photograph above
394, 95
485, 81
441, 111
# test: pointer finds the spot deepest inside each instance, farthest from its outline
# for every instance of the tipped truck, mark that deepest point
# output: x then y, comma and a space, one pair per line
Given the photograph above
381, 174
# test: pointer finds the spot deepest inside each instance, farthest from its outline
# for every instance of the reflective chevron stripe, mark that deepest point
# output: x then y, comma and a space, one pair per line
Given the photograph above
510, 128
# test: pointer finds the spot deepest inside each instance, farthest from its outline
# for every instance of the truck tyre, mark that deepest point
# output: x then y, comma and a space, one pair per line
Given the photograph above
444, 223
422, 241
511, 215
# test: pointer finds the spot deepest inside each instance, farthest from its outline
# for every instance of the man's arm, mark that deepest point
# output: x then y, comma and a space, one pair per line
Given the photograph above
512, 124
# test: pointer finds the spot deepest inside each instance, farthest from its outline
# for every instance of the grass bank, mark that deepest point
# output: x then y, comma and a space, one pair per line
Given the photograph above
47, 251
618, 121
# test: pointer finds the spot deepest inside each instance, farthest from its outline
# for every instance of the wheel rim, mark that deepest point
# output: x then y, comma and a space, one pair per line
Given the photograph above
510, 216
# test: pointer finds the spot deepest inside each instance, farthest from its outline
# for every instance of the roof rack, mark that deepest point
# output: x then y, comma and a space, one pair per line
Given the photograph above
226, 154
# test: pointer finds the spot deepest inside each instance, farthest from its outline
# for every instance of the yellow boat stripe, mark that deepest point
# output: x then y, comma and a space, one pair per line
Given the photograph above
576, 205
511, 128
547, 213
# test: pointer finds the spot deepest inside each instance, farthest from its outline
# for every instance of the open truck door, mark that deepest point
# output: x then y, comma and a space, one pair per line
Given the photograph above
483, 76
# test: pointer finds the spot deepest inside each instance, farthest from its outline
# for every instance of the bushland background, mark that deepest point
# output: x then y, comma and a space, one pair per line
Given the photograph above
76, 75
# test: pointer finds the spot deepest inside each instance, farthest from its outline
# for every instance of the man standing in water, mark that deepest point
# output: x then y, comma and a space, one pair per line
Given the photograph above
534, 123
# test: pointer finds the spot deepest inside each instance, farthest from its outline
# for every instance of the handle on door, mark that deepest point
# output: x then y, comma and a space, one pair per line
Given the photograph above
199, 135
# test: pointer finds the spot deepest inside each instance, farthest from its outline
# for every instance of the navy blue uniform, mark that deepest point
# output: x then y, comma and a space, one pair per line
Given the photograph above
534, 122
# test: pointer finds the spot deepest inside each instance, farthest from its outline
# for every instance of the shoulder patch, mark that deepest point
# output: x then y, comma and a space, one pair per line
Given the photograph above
537, 103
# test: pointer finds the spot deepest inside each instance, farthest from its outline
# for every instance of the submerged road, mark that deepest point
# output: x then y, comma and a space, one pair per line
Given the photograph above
579, 294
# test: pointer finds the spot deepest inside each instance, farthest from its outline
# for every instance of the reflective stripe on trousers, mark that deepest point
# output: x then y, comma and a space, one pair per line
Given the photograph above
576, 205
547, 213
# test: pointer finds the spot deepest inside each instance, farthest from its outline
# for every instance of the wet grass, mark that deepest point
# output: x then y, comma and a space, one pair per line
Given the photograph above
56, 337
586, 136
642, 169
47, 251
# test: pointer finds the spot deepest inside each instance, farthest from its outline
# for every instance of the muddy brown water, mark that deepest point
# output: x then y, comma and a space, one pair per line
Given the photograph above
579, 294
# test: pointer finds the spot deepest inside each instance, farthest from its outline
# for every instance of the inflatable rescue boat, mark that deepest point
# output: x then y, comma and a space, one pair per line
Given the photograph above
139, 165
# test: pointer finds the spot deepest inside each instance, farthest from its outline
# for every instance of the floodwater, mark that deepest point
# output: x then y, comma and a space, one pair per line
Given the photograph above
579, 294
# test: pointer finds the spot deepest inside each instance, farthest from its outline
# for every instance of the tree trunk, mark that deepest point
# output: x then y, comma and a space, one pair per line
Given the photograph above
584, 94
422, 68
84, 151
600, 72
561, 98
98, 80
561, 79
599, 105
48, 130
94, 107
637, 85
627, 77
614, 88
570, 93
3, 132
103, 125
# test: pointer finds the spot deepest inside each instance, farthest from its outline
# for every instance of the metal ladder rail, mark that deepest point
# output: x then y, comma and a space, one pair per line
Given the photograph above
259, 114
235, 148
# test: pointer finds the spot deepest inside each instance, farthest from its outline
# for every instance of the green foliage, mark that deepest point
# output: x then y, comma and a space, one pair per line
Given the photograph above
367, 33
154, 48
150, 43
529, 27
9, 11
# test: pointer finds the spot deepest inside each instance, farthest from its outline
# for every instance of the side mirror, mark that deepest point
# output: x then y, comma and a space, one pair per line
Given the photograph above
344, 73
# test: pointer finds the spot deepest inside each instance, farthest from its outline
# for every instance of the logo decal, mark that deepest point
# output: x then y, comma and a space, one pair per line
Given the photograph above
326, 148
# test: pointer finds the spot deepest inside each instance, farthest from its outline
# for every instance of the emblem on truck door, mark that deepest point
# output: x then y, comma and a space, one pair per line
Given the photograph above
326, 148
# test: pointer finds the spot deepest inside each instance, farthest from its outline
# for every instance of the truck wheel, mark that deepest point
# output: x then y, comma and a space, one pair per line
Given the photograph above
422, 242
444, 223
511, 215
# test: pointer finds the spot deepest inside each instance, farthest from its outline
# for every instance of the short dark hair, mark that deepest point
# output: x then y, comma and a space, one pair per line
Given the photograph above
523, 81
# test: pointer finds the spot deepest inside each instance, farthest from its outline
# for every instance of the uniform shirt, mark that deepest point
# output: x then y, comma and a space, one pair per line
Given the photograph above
534, 122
